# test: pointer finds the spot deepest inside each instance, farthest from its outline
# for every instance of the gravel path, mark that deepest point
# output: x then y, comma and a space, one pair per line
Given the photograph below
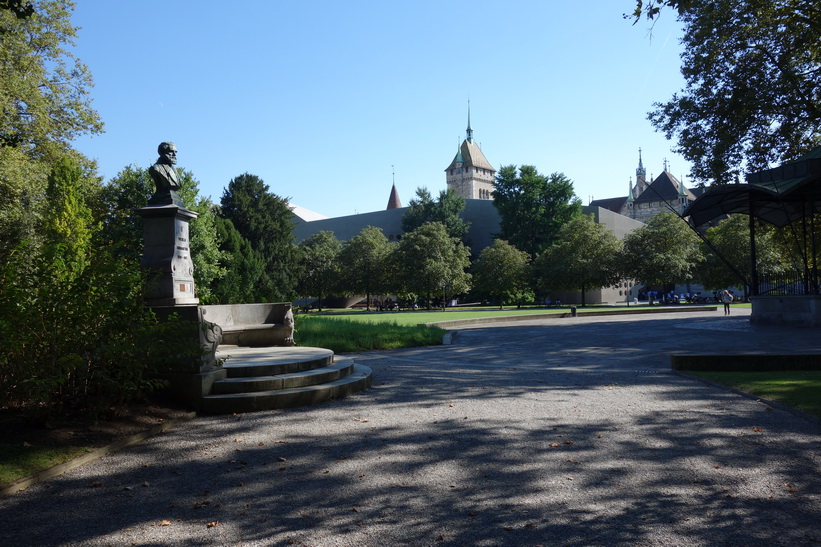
560, 432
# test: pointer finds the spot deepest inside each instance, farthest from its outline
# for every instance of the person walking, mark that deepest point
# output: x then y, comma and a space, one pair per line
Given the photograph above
726, 298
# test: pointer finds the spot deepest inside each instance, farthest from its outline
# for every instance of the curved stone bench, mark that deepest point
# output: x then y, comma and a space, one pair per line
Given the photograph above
253, 325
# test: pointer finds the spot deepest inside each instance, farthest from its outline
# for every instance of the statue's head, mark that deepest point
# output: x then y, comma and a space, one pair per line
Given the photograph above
167, 152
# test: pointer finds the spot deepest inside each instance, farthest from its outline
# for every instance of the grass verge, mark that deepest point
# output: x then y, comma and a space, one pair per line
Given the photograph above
343, 334
799, 389
18, 461
413, 318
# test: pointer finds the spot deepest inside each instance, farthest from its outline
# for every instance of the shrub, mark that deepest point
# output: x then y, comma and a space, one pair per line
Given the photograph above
77, 341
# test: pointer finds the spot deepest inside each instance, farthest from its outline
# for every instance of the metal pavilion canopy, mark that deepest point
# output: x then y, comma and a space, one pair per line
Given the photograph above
780, 196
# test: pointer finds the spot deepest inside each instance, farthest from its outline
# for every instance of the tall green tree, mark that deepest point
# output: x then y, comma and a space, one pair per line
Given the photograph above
584, 256
244, 267
665, 250
69, 225
447, 209
365, 263
46, 101
44, 105
752, 77
431, 261
264, 219
533, 206
503, 271
320, 265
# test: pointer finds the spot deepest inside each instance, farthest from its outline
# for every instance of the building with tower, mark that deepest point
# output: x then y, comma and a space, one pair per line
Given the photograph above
646, 199
470, 174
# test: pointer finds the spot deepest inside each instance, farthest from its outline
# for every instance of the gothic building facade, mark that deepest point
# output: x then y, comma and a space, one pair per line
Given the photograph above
647, 198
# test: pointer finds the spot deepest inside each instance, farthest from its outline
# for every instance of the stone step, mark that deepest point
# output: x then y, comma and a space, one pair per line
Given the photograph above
255, 362
341, 367
226, 403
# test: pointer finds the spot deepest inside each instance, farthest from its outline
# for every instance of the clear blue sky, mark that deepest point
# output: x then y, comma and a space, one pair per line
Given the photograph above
321, 99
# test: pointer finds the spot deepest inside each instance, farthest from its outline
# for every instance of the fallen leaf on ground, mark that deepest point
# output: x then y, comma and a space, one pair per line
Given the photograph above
213, 523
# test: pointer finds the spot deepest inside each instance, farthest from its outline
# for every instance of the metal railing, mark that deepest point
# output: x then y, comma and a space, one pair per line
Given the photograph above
794, 283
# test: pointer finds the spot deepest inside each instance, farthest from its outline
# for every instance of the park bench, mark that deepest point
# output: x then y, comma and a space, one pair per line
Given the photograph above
253, 325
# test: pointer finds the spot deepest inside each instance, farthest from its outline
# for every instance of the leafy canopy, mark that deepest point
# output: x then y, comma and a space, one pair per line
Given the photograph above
244, 267
320, 266
447, 209
665, 250
652, 8
533, 206
503, 271
44, 104
584, 256
430, 261
731, 238
364, 263
752, 70
264, 219
45, 101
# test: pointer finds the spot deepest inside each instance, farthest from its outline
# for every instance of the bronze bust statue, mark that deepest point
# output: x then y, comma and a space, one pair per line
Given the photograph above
165, 177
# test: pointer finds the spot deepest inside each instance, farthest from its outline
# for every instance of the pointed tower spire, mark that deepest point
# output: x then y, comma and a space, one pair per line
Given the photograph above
630, 189
393, 200
640, 170
469, 130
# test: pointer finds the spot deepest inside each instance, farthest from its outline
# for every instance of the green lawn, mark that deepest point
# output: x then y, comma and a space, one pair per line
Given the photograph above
348, 333
800, 389
423, 316
451, 314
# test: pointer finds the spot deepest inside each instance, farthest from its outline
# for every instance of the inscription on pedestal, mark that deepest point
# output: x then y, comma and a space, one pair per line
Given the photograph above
168, 253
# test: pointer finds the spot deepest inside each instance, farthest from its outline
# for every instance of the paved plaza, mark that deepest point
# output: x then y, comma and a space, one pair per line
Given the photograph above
567, 431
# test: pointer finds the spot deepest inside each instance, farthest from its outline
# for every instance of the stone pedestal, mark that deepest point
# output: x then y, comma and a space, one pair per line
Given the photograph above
167, 255
194, 371
170, 293
802, 310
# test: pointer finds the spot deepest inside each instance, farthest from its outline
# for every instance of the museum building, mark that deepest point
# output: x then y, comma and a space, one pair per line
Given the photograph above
471, 176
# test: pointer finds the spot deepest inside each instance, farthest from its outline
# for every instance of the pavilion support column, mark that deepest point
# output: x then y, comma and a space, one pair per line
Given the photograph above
814, 261
753, 258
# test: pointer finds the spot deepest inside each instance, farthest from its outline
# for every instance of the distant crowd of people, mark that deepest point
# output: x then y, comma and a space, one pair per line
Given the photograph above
672, 297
